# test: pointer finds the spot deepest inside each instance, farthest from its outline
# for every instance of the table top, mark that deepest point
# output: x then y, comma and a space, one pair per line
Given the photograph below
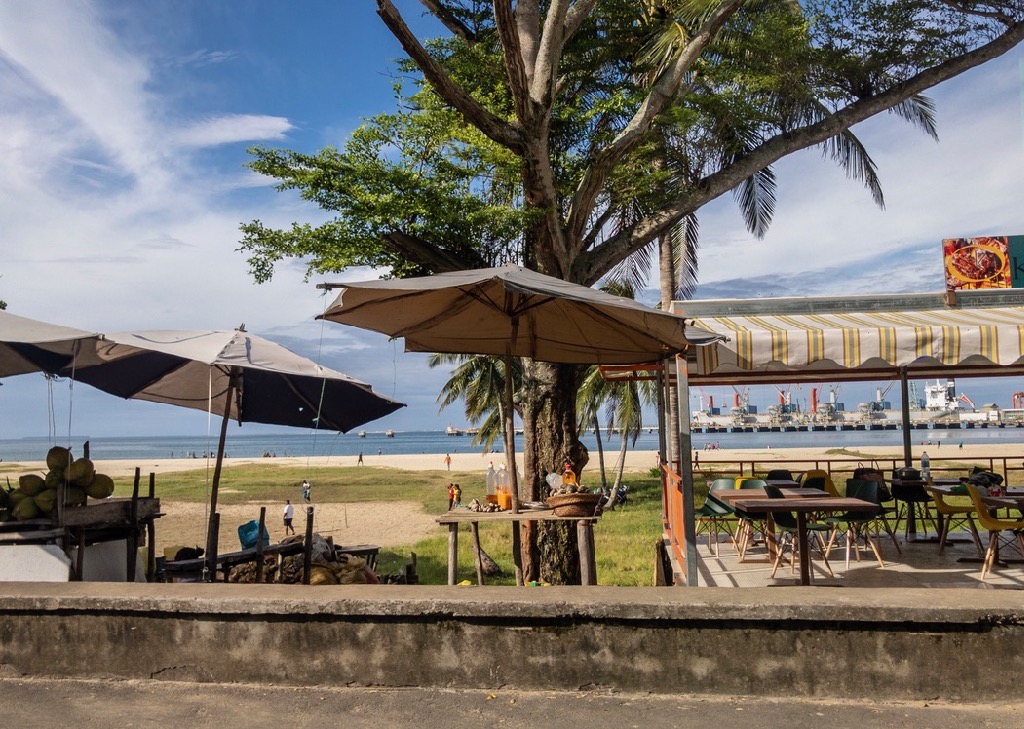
830, 503
1007, 501
952, 488
464, 515
733, 495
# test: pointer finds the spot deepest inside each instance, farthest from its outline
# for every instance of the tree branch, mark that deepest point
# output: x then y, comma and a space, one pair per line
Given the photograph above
449, 21
515, 67
662, 92
575, 17
552, 42
593, 264
492, 126
426, 253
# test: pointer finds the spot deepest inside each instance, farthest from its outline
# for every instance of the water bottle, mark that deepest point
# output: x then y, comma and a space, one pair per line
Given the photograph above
491, 480
926, 466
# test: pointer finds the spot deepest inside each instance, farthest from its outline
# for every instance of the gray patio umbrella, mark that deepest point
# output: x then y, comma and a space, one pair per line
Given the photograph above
511, 311
232, 373
27, 345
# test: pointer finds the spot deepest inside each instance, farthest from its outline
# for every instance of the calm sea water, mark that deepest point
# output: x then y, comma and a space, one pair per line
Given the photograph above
241, 445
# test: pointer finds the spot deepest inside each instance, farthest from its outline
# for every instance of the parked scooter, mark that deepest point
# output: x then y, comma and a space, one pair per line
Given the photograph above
614, 497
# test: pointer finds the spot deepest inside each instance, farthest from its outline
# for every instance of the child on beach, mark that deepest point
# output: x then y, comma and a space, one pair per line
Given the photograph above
305, 490
451, 496
458, 496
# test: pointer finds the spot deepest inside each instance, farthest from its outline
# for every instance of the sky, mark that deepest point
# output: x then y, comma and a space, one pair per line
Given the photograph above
123, 137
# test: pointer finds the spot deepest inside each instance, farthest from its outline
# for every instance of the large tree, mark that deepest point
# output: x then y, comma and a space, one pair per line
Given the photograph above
572, 135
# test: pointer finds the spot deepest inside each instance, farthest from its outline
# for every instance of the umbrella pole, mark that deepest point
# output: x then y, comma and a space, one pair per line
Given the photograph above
215, 483
510, 433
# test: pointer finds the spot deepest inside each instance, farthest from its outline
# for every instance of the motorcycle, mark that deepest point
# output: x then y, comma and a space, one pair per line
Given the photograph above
614, 497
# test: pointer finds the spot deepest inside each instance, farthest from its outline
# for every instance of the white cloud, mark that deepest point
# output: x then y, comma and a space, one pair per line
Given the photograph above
233, 128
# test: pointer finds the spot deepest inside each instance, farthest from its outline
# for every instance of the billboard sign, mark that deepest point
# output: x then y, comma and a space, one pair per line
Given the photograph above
986, 262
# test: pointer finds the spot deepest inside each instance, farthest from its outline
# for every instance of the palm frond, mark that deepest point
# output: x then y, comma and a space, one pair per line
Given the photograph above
851, 155
919, 110
685, 244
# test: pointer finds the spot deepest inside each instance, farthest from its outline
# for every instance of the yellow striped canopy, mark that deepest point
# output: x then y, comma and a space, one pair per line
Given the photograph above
858, 337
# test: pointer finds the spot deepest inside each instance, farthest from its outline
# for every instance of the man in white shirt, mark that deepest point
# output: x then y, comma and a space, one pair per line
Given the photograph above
289, 513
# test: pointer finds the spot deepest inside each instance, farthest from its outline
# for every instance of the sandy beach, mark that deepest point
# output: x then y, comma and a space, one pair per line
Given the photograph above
390, 523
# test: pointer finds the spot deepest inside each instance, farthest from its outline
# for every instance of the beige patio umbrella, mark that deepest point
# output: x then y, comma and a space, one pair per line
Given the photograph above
27, 345
512, 311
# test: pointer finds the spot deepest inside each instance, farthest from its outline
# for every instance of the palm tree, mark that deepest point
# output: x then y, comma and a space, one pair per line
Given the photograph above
479, 381
589, 398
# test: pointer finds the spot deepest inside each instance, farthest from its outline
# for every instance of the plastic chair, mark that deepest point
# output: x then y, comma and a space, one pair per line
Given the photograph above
952, 516
780, 474
854, 523
819, 479
787, 524
994, 527
913, 501
713, 518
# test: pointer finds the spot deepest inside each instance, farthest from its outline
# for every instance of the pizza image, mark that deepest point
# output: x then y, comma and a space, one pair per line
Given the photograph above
973, 263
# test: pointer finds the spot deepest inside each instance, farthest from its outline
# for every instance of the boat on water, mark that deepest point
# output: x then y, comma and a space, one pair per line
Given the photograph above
362, 433
941, 408
389, 434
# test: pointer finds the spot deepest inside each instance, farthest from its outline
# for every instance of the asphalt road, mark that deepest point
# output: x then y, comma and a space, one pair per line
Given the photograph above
46, 704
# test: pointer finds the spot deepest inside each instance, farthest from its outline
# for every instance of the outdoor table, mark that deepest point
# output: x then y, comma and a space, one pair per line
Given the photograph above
731, 496
584, 539
803, 507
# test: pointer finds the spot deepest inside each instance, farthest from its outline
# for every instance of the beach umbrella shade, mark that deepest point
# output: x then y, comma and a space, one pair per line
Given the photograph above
27, 345
232, 373
512, 311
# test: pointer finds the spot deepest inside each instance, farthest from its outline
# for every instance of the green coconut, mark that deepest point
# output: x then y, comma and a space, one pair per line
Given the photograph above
26, 509
46, 500
31, 484
74, 496
53, 478
58, 457
17, 496
101, 487
81, 472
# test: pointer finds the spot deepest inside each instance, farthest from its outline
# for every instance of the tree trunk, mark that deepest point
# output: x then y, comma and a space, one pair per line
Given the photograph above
600, 452
551, 440
623, 445
667, 270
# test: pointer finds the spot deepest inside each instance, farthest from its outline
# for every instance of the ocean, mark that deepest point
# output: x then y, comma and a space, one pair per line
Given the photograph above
242, 445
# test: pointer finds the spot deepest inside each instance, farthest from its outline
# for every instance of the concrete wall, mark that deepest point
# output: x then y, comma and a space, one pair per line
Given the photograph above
814, 642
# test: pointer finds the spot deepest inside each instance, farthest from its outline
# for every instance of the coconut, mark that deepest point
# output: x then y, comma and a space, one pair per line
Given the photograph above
54, 477
26, 509
101, 487
31, 484
17, 496
46, 500
80, 472
74, 496
58, 457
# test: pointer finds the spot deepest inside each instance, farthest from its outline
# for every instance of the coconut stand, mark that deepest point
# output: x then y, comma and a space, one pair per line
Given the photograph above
74, 528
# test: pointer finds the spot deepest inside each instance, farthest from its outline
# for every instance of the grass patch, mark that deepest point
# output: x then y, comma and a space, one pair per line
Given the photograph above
624, 538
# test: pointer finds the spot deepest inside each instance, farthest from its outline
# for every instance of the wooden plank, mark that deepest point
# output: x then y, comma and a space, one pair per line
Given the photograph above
259, 545
307, 551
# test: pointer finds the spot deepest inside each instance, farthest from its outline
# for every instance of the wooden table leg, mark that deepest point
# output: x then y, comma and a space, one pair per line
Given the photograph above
479, 559
805, 552
453, 553
517, 553
585, 540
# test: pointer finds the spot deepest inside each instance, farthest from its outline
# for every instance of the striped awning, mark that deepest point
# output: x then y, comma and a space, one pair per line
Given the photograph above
854, 338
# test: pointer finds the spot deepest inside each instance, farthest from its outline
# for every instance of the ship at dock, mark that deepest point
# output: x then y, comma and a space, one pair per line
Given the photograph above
940, 408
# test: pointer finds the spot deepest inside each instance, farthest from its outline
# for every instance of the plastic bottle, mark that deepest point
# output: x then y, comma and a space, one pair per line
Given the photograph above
926, 465
491, 480
502, 483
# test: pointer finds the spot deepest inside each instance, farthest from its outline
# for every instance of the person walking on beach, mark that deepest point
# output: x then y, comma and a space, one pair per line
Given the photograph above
448, 460
451, 495
289, 514
360, 461
305, 490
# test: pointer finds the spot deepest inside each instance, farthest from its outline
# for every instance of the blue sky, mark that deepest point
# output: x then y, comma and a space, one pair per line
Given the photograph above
123, 131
